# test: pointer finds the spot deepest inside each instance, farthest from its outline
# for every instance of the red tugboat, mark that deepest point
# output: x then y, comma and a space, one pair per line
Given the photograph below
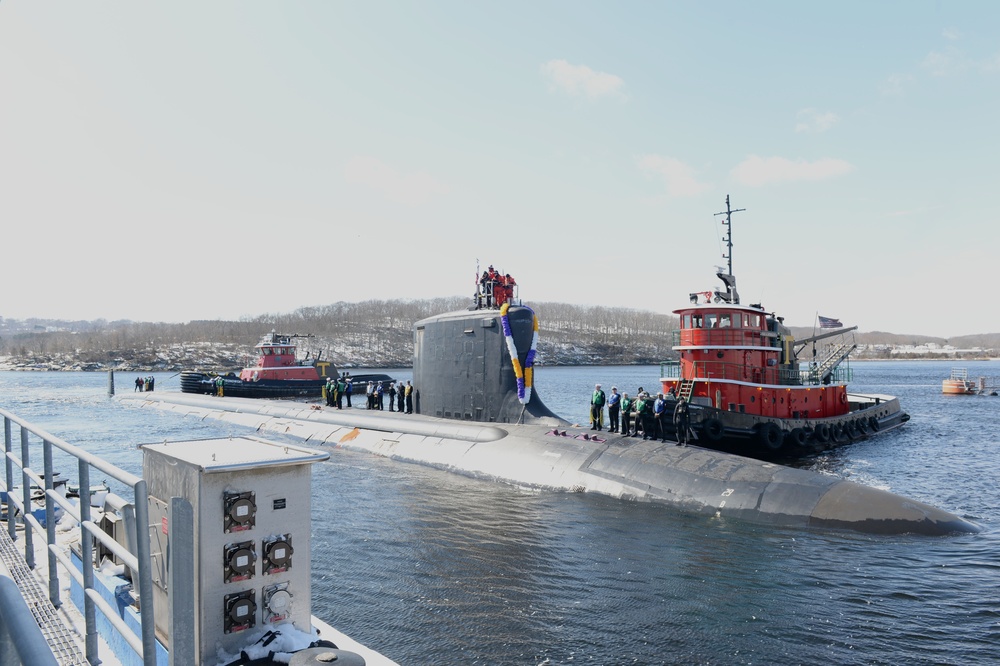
749, 394
278, 373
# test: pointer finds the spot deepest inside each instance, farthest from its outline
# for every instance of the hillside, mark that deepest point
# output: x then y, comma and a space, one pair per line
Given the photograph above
379, 333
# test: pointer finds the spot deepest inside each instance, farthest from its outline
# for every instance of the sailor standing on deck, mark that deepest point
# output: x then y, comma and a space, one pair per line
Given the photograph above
348, 389
645, 412
597, 408
379, 396
636, 406
659, 412
614, 405
341, 387
626, 415
682, 421
400, 396
392, 396
409, 397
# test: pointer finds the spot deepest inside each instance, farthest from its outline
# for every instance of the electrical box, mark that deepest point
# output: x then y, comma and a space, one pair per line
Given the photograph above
251, 500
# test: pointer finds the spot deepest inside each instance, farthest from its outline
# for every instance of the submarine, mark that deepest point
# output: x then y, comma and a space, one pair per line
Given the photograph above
476, 414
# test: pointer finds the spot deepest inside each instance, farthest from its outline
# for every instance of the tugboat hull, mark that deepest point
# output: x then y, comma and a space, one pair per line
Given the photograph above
782, 439
233, 386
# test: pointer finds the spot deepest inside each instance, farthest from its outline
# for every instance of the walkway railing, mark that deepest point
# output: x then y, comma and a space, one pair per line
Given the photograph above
138, 562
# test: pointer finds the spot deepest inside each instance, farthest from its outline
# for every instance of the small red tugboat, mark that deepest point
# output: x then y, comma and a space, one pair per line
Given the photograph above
749, 393
278, 373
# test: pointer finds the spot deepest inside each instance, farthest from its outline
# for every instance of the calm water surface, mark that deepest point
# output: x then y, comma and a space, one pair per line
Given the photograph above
433, 568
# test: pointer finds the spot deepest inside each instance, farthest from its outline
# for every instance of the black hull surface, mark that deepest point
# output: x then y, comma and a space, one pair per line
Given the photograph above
233, 386
777, 439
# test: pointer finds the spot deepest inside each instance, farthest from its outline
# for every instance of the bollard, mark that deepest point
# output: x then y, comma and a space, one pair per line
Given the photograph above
111, 382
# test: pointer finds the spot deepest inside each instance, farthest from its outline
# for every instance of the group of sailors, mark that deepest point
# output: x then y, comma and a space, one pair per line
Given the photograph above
144, 383
400, 395
494, 289
642, 415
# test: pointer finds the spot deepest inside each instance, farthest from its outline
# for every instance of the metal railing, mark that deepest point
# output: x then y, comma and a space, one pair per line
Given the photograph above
724, 337
785, 375
139, 562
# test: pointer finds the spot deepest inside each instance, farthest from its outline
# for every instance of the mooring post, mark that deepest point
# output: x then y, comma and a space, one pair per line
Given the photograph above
111, 382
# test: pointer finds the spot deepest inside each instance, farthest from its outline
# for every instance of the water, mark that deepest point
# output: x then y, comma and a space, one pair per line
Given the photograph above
433, 568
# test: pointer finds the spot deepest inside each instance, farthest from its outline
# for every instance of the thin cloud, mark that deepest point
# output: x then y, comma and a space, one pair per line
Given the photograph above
895, 84
755, 171
410, 189
678, 177
581, 80
945, 63
951, 33
813, 120
953, 61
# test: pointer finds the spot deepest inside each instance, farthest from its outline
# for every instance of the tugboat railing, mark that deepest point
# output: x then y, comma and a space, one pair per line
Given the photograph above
139, 563
723, 337
785, 375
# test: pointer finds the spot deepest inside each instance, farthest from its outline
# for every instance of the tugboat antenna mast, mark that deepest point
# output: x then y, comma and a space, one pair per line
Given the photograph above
729, 232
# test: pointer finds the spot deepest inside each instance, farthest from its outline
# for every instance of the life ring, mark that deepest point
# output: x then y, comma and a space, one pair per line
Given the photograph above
712, 429
874, 424
770, 436
797, 437
843, 398
821, 433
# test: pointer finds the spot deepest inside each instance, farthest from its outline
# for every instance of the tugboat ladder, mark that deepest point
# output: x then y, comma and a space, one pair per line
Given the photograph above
835, 358
686, 388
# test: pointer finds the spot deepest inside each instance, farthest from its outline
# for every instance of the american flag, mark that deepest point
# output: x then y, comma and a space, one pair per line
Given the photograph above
827, 322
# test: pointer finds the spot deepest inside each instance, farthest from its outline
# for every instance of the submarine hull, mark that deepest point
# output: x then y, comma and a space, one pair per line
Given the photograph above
689, 479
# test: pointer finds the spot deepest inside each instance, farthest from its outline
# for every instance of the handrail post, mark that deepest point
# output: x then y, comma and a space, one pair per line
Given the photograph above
9, 470
145, 572
29, 546
87, 555
50, 524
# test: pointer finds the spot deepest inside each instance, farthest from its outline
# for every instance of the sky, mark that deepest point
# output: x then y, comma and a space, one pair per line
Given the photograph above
191, 160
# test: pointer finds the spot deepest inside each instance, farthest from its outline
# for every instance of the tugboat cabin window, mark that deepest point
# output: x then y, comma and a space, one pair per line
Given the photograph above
725, 321
711, 321
687, 321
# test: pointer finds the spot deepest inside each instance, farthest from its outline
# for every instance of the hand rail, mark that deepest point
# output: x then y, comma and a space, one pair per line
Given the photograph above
139, 561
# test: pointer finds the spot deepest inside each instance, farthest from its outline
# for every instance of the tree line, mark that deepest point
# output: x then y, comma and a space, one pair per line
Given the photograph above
363, 332
380, 333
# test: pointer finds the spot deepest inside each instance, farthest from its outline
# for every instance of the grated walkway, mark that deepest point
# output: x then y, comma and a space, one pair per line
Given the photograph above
61, 639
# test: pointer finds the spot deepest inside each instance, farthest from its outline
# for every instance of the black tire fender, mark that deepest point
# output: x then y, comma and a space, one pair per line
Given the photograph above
770, 436
821, 433
797, 437
712, 429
